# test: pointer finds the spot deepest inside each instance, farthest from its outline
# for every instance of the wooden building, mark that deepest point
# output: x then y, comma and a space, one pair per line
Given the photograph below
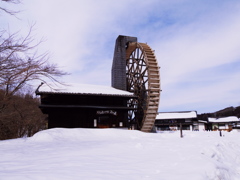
173, 120
224, 123
85, 106
132, 100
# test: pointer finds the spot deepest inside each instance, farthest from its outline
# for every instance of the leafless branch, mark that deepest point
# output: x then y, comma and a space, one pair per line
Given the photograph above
10, 11
20, 64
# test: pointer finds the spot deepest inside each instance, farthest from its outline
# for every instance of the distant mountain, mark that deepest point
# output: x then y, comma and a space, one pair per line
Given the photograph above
229, 111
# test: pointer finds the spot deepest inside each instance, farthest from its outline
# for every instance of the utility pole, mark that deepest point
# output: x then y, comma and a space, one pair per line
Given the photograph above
181, 134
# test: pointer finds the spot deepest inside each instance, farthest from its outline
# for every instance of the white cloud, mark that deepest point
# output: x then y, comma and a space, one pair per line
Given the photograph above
188, 37
208, 42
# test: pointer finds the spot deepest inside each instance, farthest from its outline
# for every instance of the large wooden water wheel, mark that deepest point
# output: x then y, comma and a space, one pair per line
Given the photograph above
143, 79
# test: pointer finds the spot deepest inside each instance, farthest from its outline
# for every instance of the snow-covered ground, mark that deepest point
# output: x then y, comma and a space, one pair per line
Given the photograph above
112, 154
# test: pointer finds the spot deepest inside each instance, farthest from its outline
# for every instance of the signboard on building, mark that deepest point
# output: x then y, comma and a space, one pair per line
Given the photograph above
112, 112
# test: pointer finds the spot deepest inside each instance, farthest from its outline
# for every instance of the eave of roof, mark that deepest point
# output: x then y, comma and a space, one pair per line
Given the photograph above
86, 106
86, 94
82, 89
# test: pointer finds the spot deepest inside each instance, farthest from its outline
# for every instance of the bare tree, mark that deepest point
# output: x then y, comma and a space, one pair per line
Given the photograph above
20, 65
21, 117
8, 11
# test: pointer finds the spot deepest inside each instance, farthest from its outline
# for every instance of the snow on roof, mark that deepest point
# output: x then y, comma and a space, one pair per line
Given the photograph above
177, 115
75, 88
202, 121
225, 119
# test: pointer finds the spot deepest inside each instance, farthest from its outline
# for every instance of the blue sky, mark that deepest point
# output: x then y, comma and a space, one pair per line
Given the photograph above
197, 43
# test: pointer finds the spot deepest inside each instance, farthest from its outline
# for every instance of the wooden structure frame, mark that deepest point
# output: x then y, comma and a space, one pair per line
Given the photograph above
143, 79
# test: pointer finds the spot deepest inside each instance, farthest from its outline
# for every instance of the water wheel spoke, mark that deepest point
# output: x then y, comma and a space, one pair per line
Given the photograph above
143, 79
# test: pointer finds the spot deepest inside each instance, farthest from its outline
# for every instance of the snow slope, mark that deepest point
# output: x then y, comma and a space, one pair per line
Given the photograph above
116, 154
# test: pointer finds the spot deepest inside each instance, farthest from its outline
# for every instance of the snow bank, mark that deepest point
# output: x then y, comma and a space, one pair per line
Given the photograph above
88, 154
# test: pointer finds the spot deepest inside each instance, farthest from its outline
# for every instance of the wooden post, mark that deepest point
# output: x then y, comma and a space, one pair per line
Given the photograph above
181, 134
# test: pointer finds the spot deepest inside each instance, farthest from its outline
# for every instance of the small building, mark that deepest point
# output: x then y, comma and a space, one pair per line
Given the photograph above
202, 125
224, 123
173, 120
85, 106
